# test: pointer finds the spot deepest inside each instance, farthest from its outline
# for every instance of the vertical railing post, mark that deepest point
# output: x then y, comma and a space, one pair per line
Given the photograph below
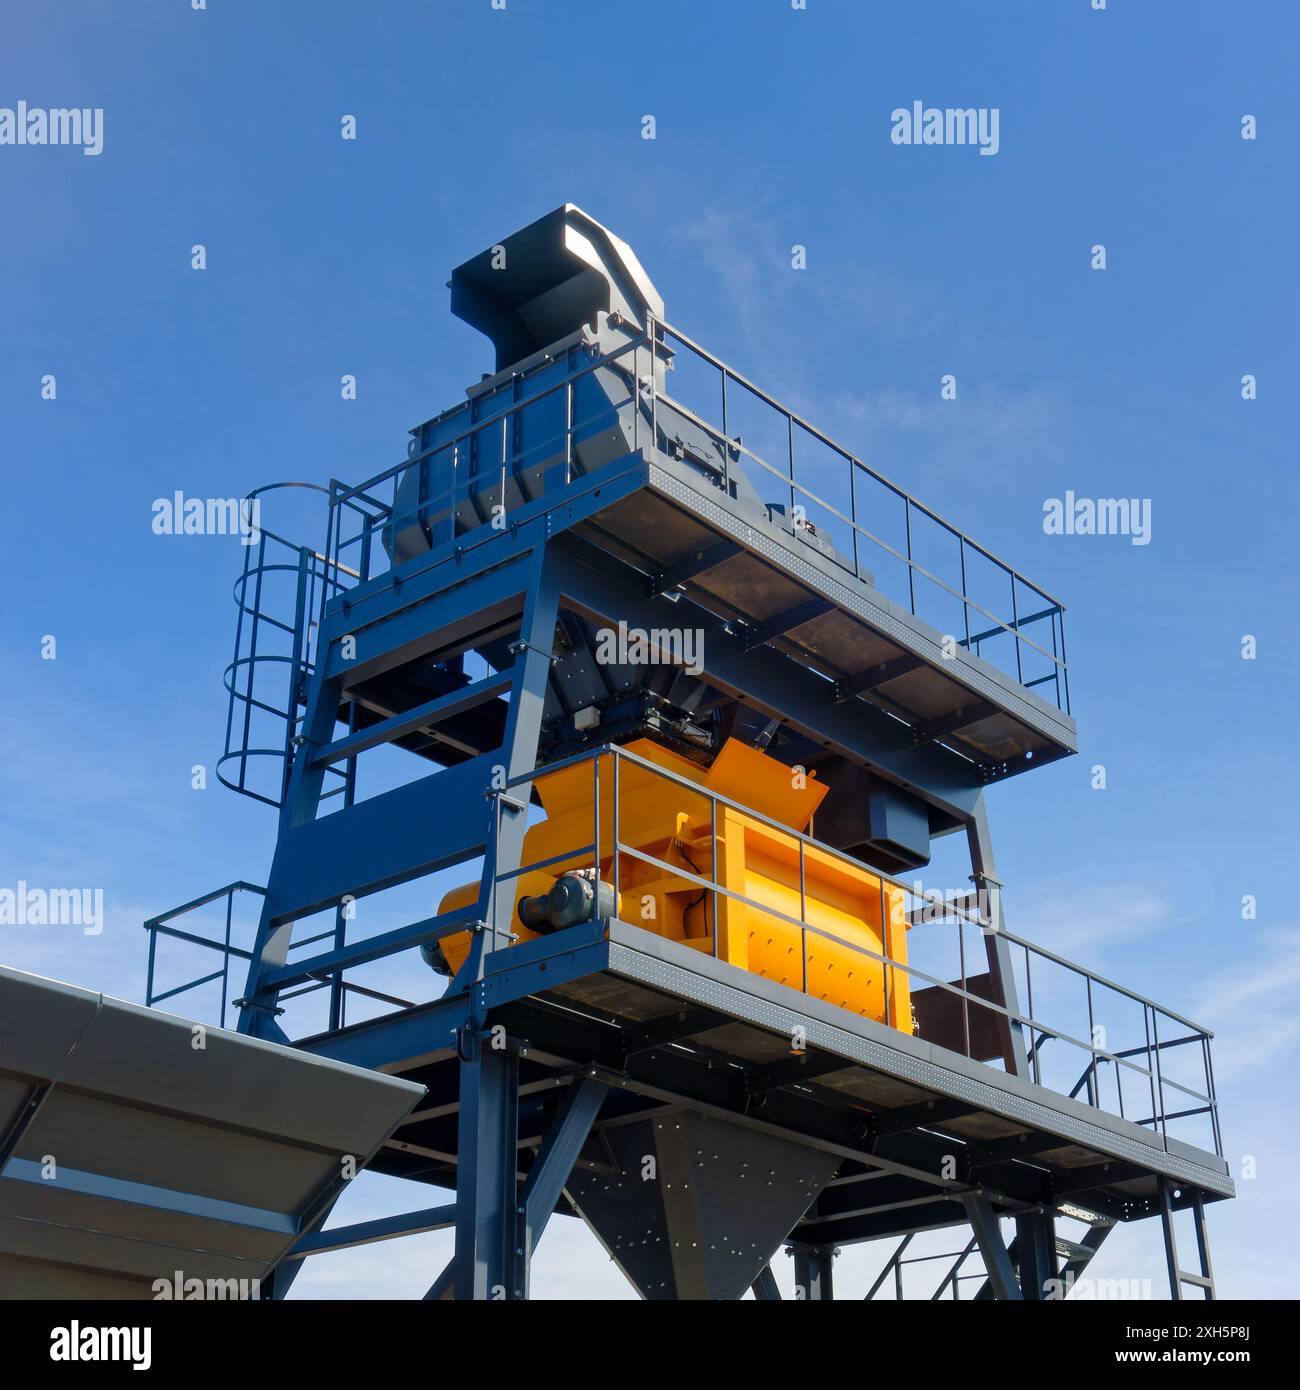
1056, 658
1210, 1091
965, 601
789, 444
153, 952
1015, 627
1065, 666
617, 835
713, 870
911, 566
505, 454
1160, 1080
965, 988
225, 958
654, 386
726, 439
595, 835
803, 914
885, 949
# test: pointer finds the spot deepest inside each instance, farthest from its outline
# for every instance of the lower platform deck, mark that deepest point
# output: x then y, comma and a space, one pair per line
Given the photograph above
915, 1128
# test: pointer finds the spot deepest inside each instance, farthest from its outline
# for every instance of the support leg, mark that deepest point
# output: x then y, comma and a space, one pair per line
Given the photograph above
995, 946
555, 1159
486, 1174
1036, 1254
765, 1286
812, 1271
504, 852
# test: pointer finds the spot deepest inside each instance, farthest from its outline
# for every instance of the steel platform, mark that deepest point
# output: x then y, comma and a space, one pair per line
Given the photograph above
671, 1032
690, 537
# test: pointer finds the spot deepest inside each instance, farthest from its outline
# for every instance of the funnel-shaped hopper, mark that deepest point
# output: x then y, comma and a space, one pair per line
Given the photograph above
698, 1205
549, 279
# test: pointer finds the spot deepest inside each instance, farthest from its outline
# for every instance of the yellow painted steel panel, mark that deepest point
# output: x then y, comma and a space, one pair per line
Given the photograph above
853, 917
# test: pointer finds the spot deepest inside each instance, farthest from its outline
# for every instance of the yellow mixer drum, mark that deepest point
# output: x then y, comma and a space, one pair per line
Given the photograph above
752, 919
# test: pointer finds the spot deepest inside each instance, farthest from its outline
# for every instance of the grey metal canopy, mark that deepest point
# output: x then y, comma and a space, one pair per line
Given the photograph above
129, 1153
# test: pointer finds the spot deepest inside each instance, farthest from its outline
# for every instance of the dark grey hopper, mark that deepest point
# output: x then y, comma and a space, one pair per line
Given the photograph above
695, 1207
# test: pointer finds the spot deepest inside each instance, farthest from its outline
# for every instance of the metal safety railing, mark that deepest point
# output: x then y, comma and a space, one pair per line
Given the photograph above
1132, 1080
933, 568
222, 900
483, 459
1142, 1088
838, 492
165, 925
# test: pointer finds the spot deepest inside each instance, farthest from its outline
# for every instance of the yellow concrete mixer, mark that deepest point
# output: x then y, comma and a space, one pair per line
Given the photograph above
665, 828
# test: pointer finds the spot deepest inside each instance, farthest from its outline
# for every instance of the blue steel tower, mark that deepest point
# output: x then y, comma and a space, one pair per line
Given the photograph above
685, 689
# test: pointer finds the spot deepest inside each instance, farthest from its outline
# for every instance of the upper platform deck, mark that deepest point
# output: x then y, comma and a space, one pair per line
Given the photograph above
745, 509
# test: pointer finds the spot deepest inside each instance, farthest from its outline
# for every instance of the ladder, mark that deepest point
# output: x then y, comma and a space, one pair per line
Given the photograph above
1179, 1277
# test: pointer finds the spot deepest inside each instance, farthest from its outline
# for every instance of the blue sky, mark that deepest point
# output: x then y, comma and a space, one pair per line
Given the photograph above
326, 257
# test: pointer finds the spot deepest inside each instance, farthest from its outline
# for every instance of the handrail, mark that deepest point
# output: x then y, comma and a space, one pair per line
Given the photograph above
1015, 626
735, 376
162, 925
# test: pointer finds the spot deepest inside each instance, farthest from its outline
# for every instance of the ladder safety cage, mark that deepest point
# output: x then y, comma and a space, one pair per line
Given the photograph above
281, 587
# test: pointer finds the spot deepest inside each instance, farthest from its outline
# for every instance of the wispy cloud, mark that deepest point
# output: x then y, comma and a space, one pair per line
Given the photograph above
1082, 921
909, 432
1252, 1006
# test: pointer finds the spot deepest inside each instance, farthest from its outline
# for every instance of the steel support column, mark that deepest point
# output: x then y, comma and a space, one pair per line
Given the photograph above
1036, 1254
812, 1271
486, 1172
